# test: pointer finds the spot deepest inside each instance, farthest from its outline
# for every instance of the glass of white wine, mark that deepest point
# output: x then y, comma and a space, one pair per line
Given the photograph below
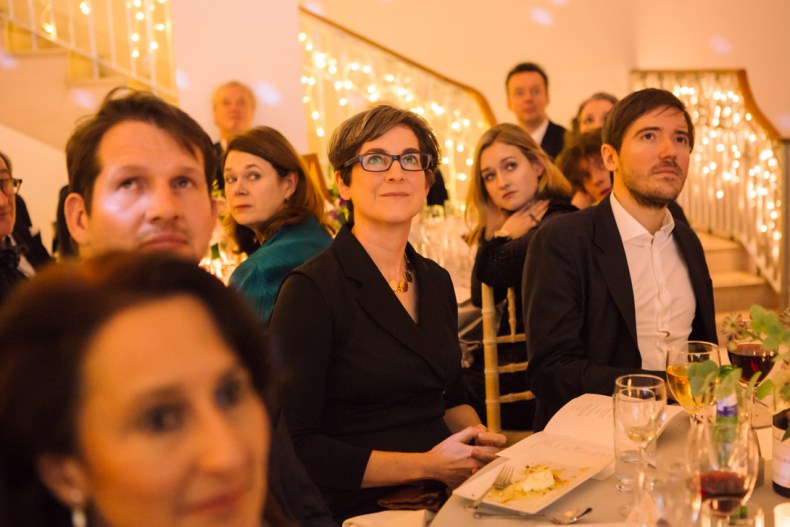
640, 402
679, 359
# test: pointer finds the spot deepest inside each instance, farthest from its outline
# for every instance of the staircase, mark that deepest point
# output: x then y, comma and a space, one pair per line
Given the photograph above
46, 91
736, 283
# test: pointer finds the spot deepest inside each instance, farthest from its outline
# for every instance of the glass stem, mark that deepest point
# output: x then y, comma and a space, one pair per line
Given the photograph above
639, 489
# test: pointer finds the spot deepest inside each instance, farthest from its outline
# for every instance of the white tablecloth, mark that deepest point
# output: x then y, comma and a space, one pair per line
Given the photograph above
606, 502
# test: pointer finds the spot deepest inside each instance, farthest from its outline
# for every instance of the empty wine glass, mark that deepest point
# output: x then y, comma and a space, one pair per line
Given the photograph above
679, 359
639, 410
725, 458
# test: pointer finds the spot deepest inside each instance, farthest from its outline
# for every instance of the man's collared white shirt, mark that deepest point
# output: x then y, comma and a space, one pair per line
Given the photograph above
540, 131
663, 295
24, 267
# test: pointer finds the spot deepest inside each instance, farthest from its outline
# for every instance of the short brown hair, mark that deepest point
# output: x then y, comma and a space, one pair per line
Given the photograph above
527, 67
552, 184
269, 144
124, 104
586, 145
348, 138
634, 106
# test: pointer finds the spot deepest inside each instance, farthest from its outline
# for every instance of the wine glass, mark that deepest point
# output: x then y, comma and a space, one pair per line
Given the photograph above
751, 357
679, 358
724, 456
640, 402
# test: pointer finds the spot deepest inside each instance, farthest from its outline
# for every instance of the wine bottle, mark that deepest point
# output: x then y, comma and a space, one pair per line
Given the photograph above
781, 455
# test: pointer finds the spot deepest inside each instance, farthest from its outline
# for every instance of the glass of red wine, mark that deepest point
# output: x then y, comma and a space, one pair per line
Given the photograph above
751, 357
724, 457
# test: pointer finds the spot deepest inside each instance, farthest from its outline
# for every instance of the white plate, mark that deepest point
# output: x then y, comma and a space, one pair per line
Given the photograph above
575, 469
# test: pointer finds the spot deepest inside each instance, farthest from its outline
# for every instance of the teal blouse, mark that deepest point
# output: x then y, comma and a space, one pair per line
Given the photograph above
259, 276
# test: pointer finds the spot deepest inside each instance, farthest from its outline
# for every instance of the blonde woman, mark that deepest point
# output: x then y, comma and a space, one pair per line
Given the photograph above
514, 188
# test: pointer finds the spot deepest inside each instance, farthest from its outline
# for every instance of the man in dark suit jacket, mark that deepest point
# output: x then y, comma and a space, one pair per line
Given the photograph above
609, 289
527, 88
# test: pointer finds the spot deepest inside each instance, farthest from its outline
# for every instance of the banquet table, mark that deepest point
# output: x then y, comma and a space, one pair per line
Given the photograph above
606, 501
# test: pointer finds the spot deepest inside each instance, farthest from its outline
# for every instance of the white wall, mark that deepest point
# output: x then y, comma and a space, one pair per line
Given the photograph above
722, 34
585, 45
250, 41
42, 170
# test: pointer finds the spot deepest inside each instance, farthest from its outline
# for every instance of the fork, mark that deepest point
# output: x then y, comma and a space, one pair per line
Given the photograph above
501, 481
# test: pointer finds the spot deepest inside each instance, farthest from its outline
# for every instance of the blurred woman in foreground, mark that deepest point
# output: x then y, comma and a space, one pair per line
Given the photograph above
135, 395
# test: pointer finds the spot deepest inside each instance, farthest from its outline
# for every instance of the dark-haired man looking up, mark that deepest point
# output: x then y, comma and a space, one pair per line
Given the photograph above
140, 171
609, 289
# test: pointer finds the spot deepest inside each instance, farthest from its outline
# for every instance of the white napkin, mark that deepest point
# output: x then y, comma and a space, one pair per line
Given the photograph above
392, 519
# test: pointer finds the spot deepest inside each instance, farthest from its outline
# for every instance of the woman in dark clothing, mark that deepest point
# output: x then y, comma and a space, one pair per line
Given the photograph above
367, 331
514, 188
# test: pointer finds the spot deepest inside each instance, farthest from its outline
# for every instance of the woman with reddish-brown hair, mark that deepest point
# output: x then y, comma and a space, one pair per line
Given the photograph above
276, 213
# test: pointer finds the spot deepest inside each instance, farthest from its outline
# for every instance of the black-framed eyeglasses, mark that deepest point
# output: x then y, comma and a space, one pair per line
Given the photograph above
380, 162
10, 186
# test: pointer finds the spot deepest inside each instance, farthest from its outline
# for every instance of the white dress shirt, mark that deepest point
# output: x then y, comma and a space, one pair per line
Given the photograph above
24, 267
540, 131
663, 296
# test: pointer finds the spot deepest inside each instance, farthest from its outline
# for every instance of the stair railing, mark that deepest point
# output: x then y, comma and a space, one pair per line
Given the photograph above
345, 73
129, 38
737, 183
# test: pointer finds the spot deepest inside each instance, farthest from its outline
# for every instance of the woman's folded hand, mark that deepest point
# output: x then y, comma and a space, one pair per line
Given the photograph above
453, 460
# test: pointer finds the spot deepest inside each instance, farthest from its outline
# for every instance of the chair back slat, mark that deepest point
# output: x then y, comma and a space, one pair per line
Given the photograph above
491, 367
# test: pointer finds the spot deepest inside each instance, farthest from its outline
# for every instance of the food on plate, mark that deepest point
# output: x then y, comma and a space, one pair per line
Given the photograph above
537, 477
530, 481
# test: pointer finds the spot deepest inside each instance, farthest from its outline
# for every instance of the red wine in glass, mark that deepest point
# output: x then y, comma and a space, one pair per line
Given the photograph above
723, 490
750, 358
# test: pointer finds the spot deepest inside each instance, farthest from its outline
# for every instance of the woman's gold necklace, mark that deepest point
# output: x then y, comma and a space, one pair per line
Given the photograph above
402, 285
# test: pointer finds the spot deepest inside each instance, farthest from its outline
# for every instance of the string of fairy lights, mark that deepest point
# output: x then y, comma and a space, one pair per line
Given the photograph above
735, 180
343, 75
135, 36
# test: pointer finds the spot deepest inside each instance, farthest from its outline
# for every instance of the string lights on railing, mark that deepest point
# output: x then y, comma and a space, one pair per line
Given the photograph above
130, 38
343, 75
48, 20
736, 174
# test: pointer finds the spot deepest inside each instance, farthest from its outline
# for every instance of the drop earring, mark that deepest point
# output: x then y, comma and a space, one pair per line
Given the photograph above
78, 517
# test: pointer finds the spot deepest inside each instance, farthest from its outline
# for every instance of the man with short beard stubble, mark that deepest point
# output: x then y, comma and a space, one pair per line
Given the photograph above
608, 290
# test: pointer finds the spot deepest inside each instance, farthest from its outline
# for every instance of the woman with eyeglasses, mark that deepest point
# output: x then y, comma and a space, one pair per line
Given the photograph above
514, 188
368, 334
276, 213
